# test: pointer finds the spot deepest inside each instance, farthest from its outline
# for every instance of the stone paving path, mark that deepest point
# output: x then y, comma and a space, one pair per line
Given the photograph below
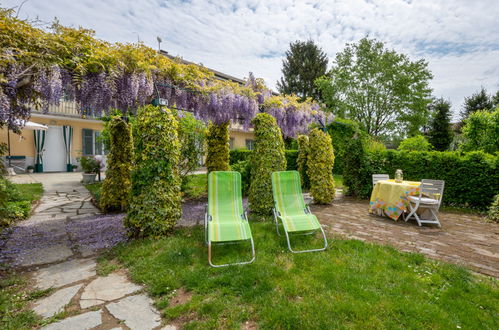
464, 239
57, 247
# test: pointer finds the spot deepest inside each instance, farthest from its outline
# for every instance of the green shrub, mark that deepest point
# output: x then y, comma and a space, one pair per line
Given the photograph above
320, 164
291, 159
493, 214
471, 179
268, 157
415, 143
238, 155
90, 164
302, 160
192, 137
217, 140
481, 131
155, 196
115, 192
342, 131
244, 168
355, 165
16, 200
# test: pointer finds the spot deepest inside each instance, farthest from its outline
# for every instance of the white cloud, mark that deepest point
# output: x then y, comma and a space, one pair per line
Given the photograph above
458, 38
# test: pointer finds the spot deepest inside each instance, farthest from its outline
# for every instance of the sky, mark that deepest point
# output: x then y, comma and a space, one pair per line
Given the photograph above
459, 39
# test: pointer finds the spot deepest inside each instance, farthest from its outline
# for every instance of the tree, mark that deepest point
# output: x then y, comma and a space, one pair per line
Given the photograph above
440, 134
304, 63
155, 195
481, 131
320, 166
381, 89
415, 143
218, 149
477, 101
116, 187
267, 157
495, 99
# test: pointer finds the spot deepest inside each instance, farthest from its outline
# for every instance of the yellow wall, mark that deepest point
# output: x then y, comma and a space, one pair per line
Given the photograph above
24, 144
240, 138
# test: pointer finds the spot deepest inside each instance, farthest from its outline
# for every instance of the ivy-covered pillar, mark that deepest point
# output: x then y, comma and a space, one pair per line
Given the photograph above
116, 187
155, 196
320, 164
218, 150
268, 156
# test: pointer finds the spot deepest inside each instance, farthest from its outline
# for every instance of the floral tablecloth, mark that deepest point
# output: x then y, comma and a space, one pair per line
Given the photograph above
391, 197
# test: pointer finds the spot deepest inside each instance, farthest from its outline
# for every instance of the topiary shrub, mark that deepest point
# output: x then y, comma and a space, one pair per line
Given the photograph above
238, 155
267, 157
218, 148
301, 162
115, 190
355, 176
155, 196
192, 136
320, 162
493, 214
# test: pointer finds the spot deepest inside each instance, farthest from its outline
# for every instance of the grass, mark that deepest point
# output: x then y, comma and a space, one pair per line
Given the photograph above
195, 186
351, 285
94, 189
30, 191
338, 181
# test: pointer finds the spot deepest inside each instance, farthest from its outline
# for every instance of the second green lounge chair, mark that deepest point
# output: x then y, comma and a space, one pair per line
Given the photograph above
291, 209
225, 220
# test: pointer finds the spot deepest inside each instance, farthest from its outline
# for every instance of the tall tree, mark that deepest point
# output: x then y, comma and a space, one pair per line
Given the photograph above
381, 89
440, 134
477, 101
304, 63
495, 99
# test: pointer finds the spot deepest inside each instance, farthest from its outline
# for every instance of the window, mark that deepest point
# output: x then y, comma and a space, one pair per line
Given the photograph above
249, 144
231, 143
91, 145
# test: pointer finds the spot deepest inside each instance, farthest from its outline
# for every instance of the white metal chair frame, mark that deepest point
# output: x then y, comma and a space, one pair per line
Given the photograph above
429, 188
379, 177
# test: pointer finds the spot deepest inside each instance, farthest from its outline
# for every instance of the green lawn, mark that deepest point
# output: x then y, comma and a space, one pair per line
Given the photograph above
19, 201
30, 191
195, 186
94, 189
351, 285
338, 181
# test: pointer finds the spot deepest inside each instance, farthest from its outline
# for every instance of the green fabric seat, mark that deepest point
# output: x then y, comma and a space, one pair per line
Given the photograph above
290, 207
225, 219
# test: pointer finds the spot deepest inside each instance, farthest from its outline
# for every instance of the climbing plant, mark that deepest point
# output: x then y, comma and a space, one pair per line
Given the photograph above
217, 158
302, 160
116, 187
320, 167
268, 156
155, 196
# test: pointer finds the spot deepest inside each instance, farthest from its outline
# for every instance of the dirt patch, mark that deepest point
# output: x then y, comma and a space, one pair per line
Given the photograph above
181, 297
249, 325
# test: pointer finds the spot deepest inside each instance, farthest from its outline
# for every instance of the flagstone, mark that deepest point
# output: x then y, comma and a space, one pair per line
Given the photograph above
107, 288
56, 302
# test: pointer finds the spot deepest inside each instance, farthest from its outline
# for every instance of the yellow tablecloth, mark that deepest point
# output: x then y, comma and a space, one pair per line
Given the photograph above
391, 197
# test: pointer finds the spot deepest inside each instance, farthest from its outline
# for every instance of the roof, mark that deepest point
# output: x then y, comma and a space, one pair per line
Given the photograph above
218, 74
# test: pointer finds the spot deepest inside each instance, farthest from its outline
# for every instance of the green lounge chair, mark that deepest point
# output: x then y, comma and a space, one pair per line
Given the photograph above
226, 221
291, 209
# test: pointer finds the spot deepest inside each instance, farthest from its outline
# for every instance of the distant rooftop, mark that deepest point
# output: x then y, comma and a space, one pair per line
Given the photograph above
218, 74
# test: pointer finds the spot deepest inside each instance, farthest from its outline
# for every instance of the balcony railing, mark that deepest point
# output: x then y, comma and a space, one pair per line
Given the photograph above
66, 108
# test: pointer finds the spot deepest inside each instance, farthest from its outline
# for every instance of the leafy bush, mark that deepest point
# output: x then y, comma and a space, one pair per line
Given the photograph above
493, 214
244, 168
481, 132
415, 143
238, 155
90, 164
155, 196
302, 160
217, 139
268, 157
471, 179
342, 131
192, 136
320, 163
16, 200
291, 159
115, 191
355, 166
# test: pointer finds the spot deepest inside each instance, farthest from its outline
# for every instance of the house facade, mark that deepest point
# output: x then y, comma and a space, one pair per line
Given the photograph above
71, 136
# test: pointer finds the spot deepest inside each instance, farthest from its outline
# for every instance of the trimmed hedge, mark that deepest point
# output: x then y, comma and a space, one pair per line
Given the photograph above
155, 195
240, 155
116, 187
301, 162
217, 141
320, 163
269, 156
471, 179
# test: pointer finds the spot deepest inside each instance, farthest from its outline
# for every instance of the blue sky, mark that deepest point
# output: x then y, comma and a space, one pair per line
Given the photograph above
459, 39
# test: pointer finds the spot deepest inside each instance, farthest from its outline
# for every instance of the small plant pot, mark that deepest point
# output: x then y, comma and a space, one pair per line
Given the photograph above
88, 178
30, 170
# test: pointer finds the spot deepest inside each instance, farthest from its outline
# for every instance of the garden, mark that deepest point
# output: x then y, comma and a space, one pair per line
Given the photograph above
154, 149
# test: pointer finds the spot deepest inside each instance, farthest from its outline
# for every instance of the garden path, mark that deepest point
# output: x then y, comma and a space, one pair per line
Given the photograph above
464, 239
57, 246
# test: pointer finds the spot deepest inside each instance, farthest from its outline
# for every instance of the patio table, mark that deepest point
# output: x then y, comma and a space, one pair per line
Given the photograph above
391, 197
